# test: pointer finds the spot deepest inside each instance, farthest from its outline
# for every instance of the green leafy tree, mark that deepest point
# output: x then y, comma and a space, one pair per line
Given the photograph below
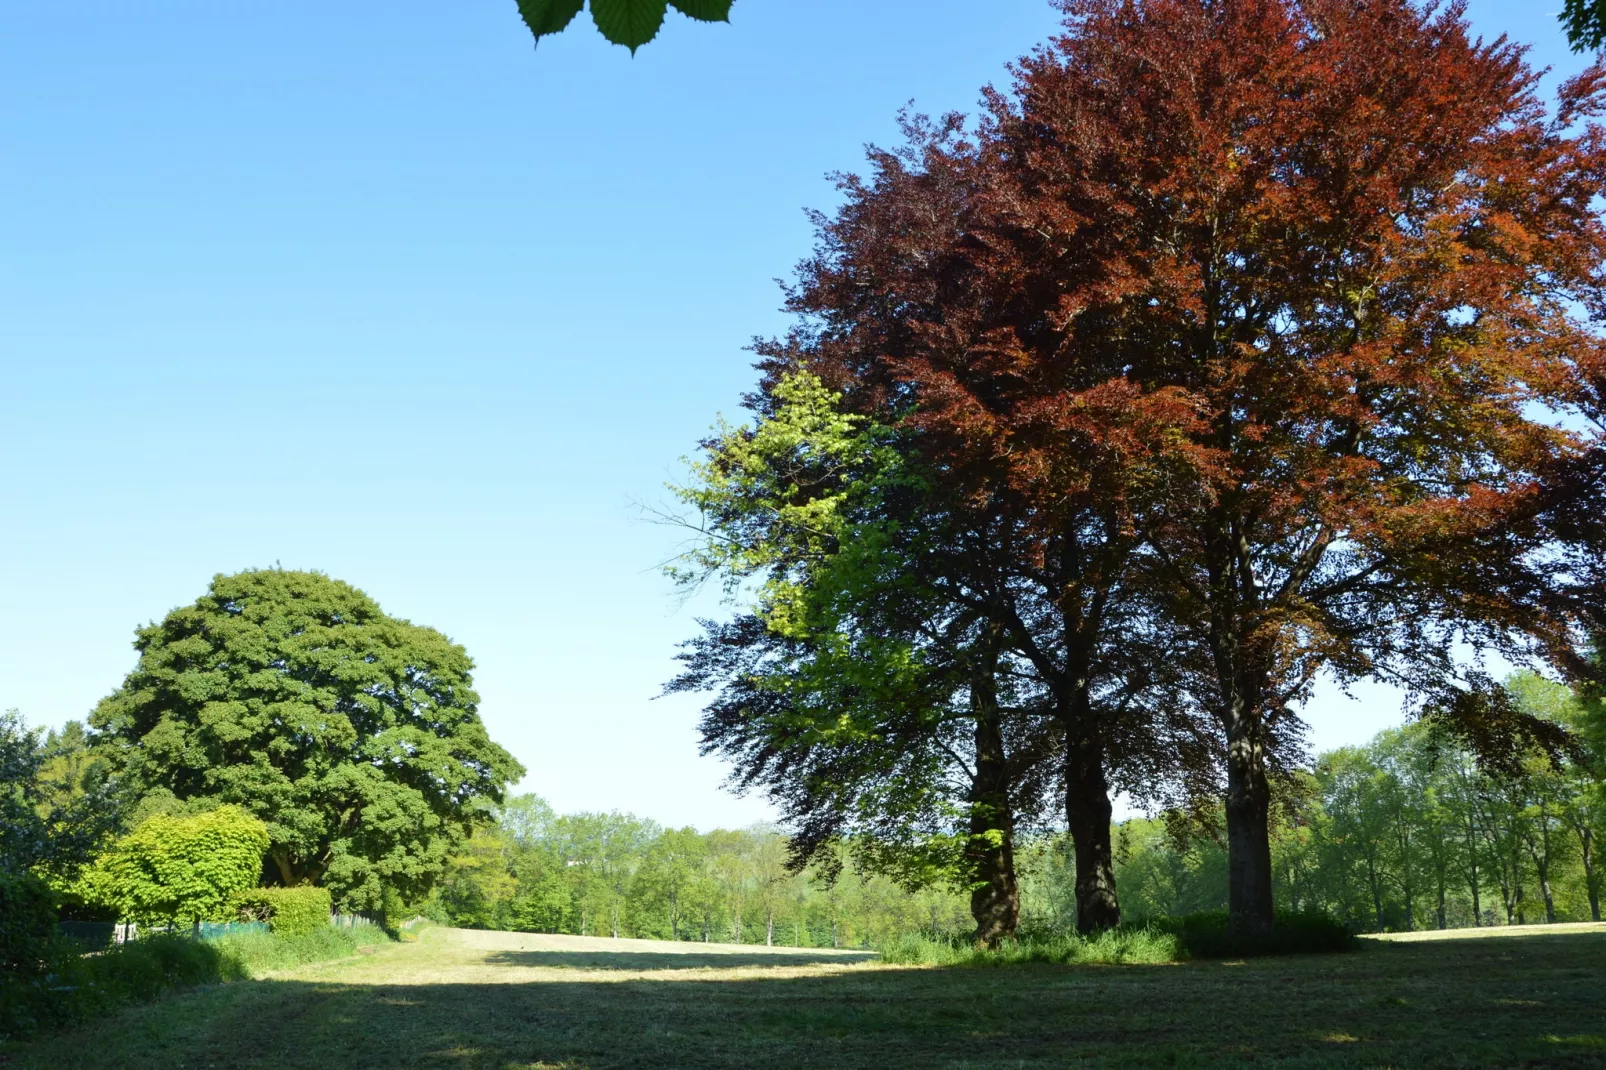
177, 869
1585, 23
58, 805
631, 23
667, 881
355, 736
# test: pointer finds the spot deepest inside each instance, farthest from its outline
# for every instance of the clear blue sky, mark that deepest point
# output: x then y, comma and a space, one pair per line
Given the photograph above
376, 289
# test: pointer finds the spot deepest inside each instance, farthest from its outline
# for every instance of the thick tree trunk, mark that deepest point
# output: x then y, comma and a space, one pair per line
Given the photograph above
995, 892
1087, 814
990, 850
1249, 895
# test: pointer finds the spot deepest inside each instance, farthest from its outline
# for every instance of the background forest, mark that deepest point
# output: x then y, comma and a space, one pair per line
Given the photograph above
1403, 833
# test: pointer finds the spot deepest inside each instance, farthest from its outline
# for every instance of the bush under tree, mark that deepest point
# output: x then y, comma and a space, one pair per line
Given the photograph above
180, 868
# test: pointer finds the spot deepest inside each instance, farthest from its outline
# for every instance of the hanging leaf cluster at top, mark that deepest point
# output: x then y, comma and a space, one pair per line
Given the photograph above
631, 23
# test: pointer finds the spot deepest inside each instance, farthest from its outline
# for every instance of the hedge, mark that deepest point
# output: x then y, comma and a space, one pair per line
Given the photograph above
288, 911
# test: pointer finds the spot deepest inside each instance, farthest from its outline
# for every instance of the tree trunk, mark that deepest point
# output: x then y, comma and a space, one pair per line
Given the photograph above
1087, 815
1376, 887
1249, 896
1586, 838
769, 929
990, 849
1439, 914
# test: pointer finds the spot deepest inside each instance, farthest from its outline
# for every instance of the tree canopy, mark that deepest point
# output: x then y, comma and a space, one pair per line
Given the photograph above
1252, 321
354, 736
58, 805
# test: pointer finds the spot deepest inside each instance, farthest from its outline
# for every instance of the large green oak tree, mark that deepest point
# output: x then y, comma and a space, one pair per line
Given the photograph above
353, 735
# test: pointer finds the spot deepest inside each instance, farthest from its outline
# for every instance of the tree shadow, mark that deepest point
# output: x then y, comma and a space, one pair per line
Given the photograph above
641, 961
1512, 1002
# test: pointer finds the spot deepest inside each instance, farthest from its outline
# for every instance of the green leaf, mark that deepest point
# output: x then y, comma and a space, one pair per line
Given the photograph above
706, 10
548, 16
631, 23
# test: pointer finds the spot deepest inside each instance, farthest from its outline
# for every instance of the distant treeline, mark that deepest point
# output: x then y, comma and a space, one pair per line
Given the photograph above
1406, 832
617, 874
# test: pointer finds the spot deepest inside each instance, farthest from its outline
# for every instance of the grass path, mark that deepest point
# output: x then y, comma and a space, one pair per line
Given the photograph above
510, 1001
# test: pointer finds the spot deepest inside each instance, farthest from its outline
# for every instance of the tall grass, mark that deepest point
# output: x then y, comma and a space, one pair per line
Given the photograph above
74, 987
249, 955
1162, 940
1127, 945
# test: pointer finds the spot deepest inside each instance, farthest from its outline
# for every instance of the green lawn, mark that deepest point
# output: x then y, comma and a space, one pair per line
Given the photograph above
508, 1001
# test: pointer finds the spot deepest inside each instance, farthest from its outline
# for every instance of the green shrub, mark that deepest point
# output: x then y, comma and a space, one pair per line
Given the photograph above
179, 869
27, 922
290, 911
1205, 936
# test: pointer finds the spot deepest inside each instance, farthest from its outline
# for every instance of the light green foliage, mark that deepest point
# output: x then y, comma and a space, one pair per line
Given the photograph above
354, 735
787, 496
673, 880
1405, 832
288, 911
631, 23
613, 874
817, 523
180, 869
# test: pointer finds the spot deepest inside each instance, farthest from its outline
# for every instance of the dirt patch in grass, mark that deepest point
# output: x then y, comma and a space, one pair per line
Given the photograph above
505, 1001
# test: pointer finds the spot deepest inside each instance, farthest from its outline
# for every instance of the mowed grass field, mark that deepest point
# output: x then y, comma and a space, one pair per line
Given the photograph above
510, 1001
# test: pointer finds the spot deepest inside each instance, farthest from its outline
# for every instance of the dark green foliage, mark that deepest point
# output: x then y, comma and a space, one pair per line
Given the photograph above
1206, 936
549, 16
354, 735
1585, 23
76, 988
289, 911
57, 805
631, 23
27, 922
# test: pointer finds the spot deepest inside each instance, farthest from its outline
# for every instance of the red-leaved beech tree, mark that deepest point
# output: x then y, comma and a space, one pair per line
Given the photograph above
1268, 324
1355, 240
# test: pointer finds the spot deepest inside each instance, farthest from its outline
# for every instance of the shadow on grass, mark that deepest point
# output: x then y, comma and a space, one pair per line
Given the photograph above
634, 961
1537, 1002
